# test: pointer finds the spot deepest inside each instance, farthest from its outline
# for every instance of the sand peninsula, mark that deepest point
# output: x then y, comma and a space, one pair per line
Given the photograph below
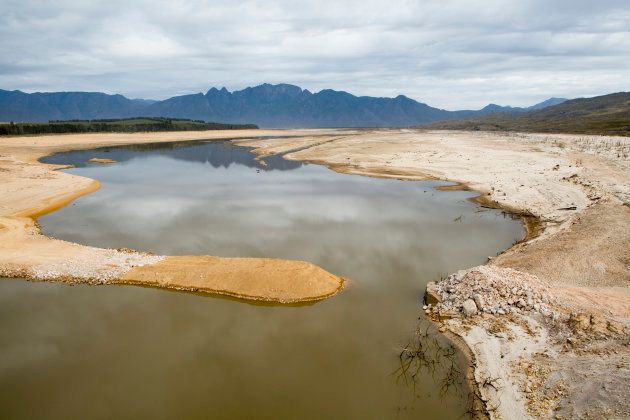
546, 323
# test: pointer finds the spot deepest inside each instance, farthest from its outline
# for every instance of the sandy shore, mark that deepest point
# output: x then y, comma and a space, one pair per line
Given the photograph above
547, 322
29, 189
548, 328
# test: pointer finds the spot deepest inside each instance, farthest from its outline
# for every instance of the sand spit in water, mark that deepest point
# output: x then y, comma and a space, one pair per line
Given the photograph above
30, 189
268, 279
102, 161
548, 321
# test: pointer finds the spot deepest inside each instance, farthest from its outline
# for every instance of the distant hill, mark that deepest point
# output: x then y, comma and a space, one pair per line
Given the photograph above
19, 106
547, 103
493, 108
608, 114
265, 105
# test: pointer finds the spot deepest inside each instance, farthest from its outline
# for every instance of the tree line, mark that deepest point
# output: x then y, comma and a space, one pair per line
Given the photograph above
126, 125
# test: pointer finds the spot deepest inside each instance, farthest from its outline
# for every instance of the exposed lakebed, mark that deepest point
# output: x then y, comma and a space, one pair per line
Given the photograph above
125, 351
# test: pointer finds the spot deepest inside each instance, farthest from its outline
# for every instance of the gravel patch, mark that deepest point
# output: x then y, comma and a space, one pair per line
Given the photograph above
94, 265
491, 290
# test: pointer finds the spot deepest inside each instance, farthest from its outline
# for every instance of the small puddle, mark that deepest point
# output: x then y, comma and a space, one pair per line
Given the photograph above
124, 351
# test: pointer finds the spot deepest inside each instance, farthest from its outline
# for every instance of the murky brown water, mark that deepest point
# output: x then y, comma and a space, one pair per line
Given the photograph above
131, 352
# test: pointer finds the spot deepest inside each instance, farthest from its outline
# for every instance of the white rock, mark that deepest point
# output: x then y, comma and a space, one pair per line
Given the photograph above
469, 307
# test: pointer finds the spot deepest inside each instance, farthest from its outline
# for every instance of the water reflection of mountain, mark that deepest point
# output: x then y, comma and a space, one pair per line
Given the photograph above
216, 153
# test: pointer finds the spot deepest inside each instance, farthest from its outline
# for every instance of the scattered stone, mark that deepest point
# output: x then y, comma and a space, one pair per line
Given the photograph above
431, 295
469, 307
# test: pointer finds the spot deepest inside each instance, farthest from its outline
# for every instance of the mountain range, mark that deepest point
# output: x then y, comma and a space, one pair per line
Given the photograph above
267, 105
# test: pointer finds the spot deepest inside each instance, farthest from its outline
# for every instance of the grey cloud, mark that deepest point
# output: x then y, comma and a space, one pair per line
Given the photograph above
447, 53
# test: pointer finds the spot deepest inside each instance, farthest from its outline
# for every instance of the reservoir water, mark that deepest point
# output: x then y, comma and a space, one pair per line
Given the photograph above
133, 352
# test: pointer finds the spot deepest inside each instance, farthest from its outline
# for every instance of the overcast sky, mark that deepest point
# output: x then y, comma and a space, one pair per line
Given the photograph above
451, 54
